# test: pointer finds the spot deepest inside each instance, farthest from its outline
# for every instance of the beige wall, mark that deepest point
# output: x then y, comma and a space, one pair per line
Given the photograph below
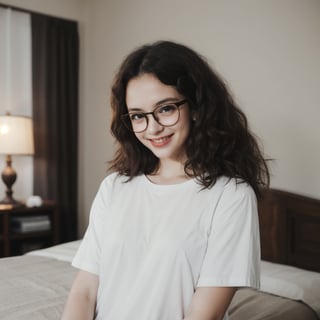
267, 50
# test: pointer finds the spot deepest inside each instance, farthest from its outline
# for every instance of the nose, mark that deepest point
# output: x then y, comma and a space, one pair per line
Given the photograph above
154, 126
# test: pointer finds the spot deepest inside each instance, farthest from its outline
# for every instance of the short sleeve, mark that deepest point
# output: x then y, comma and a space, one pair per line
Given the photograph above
88, 255
233, 250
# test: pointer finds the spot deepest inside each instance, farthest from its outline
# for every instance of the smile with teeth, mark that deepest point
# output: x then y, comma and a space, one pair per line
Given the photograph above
160, 141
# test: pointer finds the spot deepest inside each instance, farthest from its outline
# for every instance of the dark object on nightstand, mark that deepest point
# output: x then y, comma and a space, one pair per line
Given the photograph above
23, 229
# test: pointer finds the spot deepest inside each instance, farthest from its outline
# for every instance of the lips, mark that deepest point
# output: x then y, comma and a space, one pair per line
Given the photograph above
160, 142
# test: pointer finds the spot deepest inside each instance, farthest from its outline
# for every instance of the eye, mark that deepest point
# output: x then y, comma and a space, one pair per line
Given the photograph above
166, 109
136, 116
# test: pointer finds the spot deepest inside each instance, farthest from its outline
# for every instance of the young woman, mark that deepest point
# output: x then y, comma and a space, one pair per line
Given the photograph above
173, 231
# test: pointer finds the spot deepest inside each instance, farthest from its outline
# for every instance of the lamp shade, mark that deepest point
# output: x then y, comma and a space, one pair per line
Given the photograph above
16, 135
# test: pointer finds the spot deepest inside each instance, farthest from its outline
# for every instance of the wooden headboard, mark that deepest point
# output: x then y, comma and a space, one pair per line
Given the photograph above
290, 229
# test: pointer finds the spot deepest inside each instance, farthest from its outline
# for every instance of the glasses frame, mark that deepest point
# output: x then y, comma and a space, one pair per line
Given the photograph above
127, 122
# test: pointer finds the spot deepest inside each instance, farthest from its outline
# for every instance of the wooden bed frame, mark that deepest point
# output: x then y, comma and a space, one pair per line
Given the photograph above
290, 229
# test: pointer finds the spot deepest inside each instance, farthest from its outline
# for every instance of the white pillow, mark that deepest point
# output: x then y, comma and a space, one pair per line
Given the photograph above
293, 283
63, 252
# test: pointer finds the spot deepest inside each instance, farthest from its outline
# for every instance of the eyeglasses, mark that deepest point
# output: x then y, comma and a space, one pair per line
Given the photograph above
166, 115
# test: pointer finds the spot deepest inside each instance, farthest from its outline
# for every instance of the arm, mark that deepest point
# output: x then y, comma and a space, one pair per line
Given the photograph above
210, 303
82, 297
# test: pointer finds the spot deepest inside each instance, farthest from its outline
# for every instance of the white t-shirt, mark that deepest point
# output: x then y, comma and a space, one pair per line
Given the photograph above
153, 245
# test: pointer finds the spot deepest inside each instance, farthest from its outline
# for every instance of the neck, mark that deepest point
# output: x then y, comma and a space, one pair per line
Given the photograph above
169, 172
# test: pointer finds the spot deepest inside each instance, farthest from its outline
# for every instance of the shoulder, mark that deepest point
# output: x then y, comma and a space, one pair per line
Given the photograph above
236, 208
236, 193
112, 178
108, 189
236, 188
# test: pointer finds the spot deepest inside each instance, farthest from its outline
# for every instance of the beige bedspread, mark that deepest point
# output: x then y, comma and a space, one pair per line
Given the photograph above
33, 288
36, 287
249, 304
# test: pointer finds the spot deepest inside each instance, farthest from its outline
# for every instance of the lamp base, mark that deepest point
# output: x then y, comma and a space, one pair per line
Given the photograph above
9, 177
8, 201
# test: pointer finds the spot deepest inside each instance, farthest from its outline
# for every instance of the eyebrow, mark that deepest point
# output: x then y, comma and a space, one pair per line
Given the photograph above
171, 99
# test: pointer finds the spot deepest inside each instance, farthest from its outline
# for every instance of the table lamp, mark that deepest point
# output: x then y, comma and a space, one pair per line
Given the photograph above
16, 138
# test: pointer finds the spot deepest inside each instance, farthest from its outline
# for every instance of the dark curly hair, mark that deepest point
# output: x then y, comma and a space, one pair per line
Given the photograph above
219, 143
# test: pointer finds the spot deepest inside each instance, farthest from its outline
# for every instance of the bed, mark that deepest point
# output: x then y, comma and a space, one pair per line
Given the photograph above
35, 286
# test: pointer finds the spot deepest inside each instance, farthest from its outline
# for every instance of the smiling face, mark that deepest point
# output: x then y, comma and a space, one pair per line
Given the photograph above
144, 94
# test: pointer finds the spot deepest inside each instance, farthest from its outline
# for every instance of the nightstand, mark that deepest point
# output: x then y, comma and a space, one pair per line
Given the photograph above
23, 229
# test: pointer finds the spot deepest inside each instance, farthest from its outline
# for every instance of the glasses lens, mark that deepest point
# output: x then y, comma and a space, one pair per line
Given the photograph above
136, 122
167, 115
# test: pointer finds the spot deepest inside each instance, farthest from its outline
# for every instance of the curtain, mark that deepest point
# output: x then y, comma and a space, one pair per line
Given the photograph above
55, 111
